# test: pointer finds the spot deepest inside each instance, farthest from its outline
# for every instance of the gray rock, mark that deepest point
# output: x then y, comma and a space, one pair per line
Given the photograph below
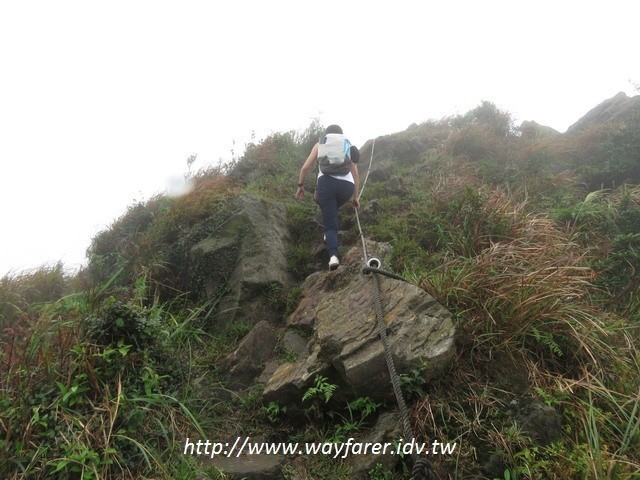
269, 369
380, 174
242, 366
531, 129
395, 185
338, 308
420, 333
538, 421
246, 258
371, 209
618, 108
251, 467
541, 422
294, 342
387, 429
290, 381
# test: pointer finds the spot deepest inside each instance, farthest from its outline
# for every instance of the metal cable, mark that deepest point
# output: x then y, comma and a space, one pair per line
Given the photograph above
395, 380
364, 245
364, 184
368, 269
422, 469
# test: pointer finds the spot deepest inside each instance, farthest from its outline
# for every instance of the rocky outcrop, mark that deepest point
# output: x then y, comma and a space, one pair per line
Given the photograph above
247, 361
531, 129
619, 108
250, 467
408, 147
387, 429
380, 174
539, 421
245, 260
337, 309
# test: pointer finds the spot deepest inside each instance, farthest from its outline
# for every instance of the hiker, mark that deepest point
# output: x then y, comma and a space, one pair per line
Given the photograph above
338, 180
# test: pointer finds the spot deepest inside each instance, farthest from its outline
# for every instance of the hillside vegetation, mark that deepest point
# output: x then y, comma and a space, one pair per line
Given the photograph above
530, 237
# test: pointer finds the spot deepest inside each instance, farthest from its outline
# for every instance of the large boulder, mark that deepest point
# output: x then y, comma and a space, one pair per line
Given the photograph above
245, 262
338, 309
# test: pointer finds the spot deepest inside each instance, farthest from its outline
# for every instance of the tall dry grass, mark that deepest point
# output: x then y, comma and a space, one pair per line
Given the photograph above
530, 323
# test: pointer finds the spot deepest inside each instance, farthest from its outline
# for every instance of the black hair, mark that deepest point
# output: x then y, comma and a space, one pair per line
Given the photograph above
334, 129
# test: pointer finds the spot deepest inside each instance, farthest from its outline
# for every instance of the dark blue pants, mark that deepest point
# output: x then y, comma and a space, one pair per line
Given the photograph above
332, 194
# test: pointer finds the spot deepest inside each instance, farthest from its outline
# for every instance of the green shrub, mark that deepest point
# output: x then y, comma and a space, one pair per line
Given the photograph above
517, 293
607, 155
620, 271
76, 409
117, 322
153, 240
278, 155
25, 291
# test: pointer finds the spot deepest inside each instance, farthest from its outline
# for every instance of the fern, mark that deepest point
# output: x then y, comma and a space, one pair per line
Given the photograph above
546, 339
322, 390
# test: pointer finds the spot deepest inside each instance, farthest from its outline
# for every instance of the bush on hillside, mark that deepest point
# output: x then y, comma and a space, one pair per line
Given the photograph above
531, 291
608, 156
494, 120
74, 409
22, 292
152, 240
278, 154
484, 136
116, 322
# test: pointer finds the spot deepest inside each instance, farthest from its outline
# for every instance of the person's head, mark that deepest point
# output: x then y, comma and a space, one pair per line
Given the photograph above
334, 129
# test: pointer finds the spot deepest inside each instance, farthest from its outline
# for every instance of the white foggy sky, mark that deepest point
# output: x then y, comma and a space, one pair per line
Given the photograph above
101, 103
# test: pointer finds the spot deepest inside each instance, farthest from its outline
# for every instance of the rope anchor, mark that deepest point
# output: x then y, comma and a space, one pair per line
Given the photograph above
374, 263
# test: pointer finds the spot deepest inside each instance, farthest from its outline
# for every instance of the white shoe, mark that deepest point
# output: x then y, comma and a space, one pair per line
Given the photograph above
333, 262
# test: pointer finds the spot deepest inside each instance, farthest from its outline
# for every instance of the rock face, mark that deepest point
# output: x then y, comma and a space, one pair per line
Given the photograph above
531, 129
243, 365
616, 109
380, 174
408, 146
245, 259
388, 428
540, 421
338, 309
251, 467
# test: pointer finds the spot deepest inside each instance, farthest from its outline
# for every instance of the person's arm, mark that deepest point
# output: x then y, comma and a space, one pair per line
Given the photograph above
304, 171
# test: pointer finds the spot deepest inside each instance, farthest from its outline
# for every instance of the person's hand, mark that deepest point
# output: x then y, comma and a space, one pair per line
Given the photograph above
300, 193
355, 202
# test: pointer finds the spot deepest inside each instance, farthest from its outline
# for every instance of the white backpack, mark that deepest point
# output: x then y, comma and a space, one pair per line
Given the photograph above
334, 154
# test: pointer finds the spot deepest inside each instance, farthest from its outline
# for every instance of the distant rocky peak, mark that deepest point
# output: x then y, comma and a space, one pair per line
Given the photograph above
618, 108
532, 129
